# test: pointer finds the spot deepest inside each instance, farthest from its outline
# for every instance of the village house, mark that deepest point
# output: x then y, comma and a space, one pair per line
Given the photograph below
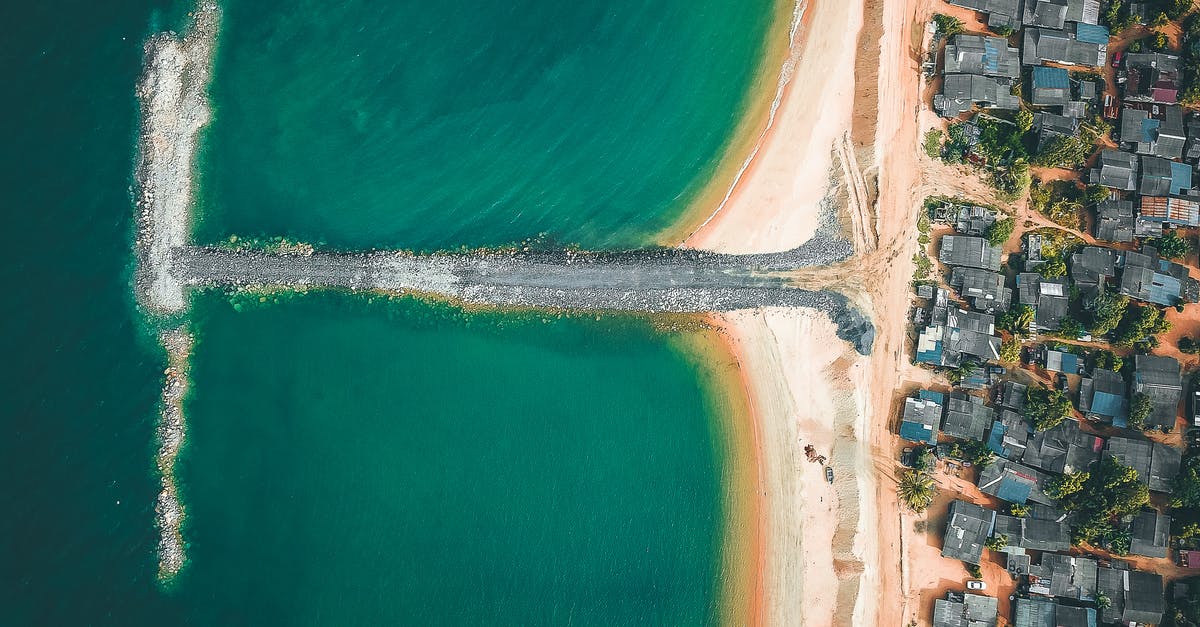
1048, 298
984, 290
1009, 481
968, 526
963, 334
1150, 534
1116, 169
964, 610
1114, 221
1079, 46
962, 92
966, 219
1064, 576
1063, 449
1156, 464
1091, 268
1009, 435
1159, 378
1157, 136
1050, 86
1050, 126
967, 417
1103, 397
983, 56
1134, 596
1039, 612
971, 252
1026, 533
922, 415
1001, 14
1152, 77
1062, 361
1148, 278
1172, 211
1161, 177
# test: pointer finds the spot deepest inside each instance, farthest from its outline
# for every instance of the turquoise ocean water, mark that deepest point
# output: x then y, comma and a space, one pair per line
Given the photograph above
364, 123
352, 464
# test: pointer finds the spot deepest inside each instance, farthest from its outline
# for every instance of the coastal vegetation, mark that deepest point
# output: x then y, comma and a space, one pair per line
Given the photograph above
916, 490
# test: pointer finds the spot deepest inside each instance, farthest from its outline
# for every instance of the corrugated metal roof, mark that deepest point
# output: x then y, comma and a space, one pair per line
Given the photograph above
1091, 33
1050, 78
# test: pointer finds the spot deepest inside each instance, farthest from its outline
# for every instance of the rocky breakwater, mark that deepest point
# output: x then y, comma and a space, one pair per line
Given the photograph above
174, 107
171, 432
650, 280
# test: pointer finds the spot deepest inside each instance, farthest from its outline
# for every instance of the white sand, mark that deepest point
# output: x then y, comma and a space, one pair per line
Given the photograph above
775, 203
804, 389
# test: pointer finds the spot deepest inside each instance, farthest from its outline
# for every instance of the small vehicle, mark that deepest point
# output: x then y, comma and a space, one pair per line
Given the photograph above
1117, 59
829, 474
1062, 382
976, 584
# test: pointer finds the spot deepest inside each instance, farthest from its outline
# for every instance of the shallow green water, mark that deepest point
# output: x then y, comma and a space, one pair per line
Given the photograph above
365, 123
351, 464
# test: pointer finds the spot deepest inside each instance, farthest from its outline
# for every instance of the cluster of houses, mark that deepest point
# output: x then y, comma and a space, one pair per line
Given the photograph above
1158, 150
1058, 589
988, 407
954, 333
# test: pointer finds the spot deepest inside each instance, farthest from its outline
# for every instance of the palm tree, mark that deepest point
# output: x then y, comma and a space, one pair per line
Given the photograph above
916, 490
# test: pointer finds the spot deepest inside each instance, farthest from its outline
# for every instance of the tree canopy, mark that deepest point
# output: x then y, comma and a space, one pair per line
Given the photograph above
1046, 408
916, 490
1139, 410
1138, 323
1000, 230
1105, 311
1171, 245
1100, 498
1185, 490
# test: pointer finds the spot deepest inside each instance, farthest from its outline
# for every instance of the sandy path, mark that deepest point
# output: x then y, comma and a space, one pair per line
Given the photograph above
774, 205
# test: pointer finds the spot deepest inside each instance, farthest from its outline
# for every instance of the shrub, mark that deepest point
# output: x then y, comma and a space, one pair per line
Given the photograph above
1053, 268
1139, 411
1016, 320
1070, 328
1171, 245
933, 143
997, 542
1000, 230
1178, 8
1018, 510
1189, 346
1010, 351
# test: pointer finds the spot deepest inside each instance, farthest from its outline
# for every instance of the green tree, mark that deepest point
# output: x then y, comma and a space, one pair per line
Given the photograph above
947, 26
1108, 360
1178, 8
1010, 351
1160, 21
1189, 346
1111, 490
1070, 328
1016, 320
1000, 230
1063, 487
1103, 602
1139, 411
1106, 311
996, 542
1018, 510
916, 490
978, 453
1138, 323
1185, 489
1011, 182
1171, 245
1053, 268
1095, 194
1046, 408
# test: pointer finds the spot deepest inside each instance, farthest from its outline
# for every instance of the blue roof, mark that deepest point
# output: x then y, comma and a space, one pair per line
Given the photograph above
1181, 177
1150, 129
1107, 404
932, 356
917, 432
1070, 363
996, 438
991, 56
1014, 490
1164, 289
1050, 78
1091, 33
930, 395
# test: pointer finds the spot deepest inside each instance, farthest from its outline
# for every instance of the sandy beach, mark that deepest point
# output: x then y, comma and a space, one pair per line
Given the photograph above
845, 136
